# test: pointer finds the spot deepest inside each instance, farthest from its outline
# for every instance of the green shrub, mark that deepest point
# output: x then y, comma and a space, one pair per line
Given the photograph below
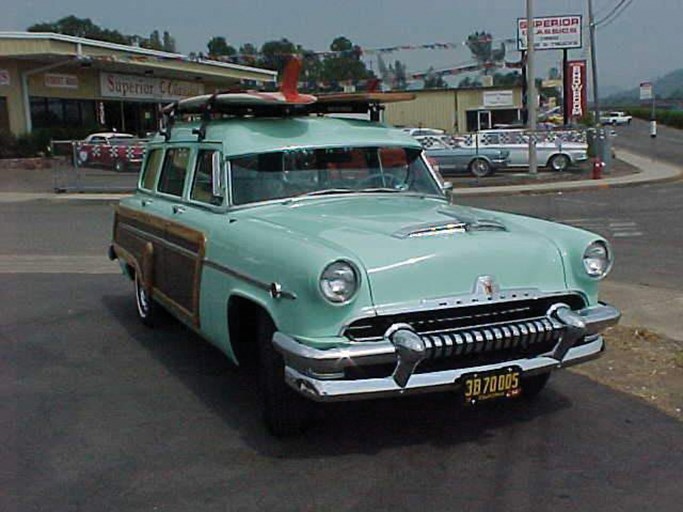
668, 117
37, 143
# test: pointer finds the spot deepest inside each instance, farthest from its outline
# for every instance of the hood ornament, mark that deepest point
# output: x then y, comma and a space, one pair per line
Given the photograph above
486, 286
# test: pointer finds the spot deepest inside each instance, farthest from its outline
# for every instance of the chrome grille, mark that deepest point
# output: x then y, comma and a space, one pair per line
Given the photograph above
470, 335
525, 335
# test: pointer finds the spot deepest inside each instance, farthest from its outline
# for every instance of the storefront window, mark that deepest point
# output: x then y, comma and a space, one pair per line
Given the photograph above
4, 116
54, 112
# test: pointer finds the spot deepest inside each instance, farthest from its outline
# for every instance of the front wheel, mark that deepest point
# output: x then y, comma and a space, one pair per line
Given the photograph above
559, 163
480, 168
285, 412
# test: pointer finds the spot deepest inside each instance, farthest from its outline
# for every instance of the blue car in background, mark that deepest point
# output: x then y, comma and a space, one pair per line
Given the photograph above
451, 158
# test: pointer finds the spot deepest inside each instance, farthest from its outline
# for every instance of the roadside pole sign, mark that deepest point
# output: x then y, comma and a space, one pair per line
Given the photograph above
646, 92
577, 99
552, 33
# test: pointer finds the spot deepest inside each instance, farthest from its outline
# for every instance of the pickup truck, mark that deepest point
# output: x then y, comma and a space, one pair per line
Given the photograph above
615, 118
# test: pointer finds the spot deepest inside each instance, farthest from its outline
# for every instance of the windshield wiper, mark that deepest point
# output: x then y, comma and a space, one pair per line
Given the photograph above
382, 189
328, 191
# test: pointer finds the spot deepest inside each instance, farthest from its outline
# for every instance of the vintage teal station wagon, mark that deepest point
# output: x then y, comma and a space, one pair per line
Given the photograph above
325, 254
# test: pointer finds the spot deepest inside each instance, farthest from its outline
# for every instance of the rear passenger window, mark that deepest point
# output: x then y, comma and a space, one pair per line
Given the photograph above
202, 186
151, 170
173, 173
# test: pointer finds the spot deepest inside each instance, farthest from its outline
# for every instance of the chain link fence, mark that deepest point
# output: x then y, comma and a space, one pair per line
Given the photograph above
95, 167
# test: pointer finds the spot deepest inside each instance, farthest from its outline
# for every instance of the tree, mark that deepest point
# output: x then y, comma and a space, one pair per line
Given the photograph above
168, 42
219, 47
400, 77
247, 54
507, 79
153, 42
81, 27
346, 64
84, 27
275, 54
394, 76
434, 80
480, 45
468, 82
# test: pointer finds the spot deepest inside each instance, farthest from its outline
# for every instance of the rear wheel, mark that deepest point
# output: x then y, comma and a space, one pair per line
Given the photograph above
532, 386
480, 168
559, 163
285, 412
148, 310
120, 166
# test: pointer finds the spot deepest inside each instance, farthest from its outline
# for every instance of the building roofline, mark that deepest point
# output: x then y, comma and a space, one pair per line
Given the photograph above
132, 49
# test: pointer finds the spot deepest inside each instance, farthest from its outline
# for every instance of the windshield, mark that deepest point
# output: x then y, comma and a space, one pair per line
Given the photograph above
285, 174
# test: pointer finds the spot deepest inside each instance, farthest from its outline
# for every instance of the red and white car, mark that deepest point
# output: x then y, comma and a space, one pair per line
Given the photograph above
119, 151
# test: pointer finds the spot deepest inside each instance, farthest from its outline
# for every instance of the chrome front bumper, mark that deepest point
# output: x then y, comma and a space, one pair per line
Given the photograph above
319, 374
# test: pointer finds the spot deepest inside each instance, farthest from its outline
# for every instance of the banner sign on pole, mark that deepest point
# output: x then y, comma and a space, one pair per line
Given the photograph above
552, 33
576, 101
646, 92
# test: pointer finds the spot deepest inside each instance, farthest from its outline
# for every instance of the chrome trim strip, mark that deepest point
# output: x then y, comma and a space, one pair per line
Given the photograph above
430, 229
273, 288
468, 299
159, 240
344, 390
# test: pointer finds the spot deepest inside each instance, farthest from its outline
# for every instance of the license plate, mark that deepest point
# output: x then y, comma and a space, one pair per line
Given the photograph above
482, 386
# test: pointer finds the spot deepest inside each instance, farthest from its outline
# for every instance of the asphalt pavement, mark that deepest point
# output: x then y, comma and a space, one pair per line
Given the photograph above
101, 413
98, 412
667, 146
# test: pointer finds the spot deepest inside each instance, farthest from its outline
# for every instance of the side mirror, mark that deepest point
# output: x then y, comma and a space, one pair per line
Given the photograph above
447, 185
216, 175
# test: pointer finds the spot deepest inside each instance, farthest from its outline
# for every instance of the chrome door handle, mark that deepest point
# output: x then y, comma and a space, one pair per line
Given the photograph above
178, 209
146, 202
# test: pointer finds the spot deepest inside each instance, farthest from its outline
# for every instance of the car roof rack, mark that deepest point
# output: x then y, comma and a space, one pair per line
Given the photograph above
287, 102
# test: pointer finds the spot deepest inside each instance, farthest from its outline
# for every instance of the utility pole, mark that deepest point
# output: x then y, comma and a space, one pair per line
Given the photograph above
531, 86
594, 67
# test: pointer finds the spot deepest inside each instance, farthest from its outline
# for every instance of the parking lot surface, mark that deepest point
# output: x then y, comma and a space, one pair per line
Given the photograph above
101, 413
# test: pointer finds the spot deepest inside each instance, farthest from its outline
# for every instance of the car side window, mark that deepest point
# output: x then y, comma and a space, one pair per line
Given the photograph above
151, 170
173, 172
202, 184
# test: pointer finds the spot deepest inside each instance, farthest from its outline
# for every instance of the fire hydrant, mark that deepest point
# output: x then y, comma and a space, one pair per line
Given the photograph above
597, 169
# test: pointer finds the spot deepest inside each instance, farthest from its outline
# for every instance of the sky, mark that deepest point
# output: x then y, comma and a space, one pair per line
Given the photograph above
645, 42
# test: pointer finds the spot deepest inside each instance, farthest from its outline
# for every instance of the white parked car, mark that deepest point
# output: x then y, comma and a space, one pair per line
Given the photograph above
423, 132
615, 118
554, 149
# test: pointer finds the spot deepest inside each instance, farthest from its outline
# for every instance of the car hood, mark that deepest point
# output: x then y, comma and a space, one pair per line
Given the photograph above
411, 248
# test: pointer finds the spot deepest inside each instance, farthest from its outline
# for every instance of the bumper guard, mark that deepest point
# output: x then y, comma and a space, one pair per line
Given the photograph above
319, 374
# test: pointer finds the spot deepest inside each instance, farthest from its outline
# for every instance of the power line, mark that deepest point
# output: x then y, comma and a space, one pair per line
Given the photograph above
617, 11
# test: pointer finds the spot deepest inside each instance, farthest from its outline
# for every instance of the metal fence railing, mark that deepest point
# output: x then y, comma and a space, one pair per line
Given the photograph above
100, 167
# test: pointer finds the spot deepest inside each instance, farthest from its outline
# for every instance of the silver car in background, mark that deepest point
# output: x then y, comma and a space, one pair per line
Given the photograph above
556, 149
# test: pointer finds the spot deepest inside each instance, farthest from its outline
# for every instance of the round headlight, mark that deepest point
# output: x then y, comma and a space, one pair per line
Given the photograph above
339, 282
597, 259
